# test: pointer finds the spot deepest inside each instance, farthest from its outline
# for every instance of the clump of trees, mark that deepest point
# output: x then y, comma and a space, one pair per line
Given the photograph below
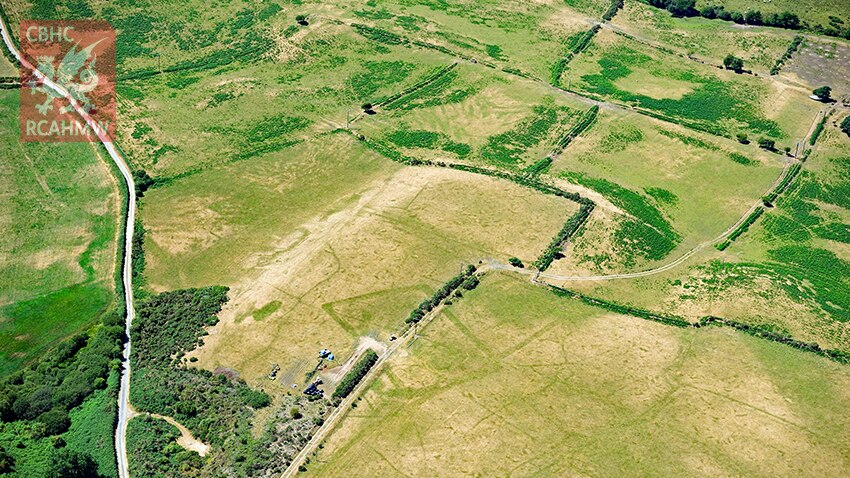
768, 144
465, 279
732, 62
845, 126
824, 93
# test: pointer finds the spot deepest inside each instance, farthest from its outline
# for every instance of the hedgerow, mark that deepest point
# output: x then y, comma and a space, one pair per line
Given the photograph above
621, 309
567, 231
355, 375
378, 74
465, 279
419, 85
792, 173
795, 43
742, 228
586, 120
818, 130
576, 45
615, 7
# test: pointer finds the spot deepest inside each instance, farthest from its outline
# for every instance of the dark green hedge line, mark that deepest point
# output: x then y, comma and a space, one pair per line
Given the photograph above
538, 167
621, 309
615, 7
427, 81
818, 130
586, 120
570, 228
355, 375
465, 279
742, 228
792, 173
756, 331
786, 20
577, 47
837, 355
787, 55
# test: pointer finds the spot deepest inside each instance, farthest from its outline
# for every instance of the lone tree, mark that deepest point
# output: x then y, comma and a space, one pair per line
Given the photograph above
367, 108
767, 144
301, 20
732, 62
742, 138
845, 126
514, 261
823, 93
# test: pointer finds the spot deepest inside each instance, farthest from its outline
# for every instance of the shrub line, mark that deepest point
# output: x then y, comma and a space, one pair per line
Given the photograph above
676, 321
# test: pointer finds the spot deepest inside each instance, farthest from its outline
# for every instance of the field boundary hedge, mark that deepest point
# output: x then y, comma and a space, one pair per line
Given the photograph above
676, 321
418, 86
780, 62
577, 47
355, 375
586, 120
742, 228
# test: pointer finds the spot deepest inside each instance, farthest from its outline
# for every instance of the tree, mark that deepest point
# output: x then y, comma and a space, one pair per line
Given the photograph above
301, 19
737, 17
681, 8
823, 93
732, 62
767, 144
753, 17
55, 421
514, 261
71, 464
742, 138
295, 413
367, 107
845, 126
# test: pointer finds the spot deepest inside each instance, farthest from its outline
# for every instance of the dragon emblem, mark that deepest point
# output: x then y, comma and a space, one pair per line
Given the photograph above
75, 73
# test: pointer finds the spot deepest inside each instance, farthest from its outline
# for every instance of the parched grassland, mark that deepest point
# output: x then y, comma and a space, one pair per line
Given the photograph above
820, 61
57, 253
248, 110
698, 96
710, 40
313, 262
664, 190
515, 381
786, 274
473, 114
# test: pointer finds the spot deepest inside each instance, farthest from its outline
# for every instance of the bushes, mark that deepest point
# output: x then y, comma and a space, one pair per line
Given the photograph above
621, 309
742, 228
355, 375
787, 55
465, 279
792, 173
818, 130
577, 45
845, 125
767, 143
586, 120
732, 62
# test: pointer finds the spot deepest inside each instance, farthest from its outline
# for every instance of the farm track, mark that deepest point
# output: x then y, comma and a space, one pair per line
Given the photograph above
127, 274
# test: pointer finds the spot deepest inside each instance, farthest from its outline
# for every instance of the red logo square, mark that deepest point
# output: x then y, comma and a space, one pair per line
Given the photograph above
67, 80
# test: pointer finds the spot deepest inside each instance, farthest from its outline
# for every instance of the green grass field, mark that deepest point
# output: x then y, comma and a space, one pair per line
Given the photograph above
58, 250
516, 381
